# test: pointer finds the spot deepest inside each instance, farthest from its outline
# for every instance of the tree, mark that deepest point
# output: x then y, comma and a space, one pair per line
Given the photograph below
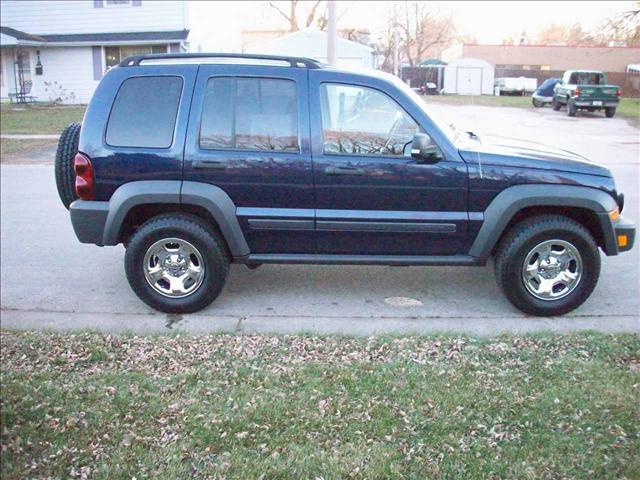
572, 35
623, 28
424, 32
421, 33
292, 16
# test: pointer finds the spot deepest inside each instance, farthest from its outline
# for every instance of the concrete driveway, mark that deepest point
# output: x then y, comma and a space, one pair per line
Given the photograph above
49, 280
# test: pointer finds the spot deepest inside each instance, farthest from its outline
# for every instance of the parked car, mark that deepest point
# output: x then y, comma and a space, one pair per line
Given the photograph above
515, 85
428, 88
197, 161
544, 93
586, 90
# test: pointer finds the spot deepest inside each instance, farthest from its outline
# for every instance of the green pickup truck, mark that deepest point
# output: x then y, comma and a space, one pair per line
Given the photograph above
586, 90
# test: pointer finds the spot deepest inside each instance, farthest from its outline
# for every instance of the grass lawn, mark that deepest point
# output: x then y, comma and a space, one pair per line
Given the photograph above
224, 406
38, 119
628, 107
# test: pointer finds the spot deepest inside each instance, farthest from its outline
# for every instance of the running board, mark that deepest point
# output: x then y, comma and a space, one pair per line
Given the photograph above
396, 260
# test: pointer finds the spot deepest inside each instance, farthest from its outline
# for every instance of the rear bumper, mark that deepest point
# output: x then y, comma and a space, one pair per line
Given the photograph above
540, 98
88, 220
590, 103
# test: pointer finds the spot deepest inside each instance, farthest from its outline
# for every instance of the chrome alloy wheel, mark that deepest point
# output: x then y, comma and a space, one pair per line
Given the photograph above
552, 270
173, 267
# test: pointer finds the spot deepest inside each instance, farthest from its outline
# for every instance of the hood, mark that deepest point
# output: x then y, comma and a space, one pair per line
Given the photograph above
497, 150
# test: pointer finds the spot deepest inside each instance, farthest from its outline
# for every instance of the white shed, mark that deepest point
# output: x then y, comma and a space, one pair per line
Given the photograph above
313, 44
469, 76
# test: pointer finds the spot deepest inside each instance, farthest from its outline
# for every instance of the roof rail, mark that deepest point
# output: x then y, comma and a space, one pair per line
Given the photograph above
135, 60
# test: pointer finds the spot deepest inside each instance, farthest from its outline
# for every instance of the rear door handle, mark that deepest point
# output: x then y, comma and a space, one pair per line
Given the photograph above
343, 171
210, 164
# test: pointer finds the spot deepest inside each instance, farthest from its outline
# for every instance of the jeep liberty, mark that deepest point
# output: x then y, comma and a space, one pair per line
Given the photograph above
195, 161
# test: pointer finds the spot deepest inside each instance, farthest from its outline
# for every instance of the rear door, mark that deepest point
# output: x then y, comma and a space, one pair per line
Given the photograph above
248, 134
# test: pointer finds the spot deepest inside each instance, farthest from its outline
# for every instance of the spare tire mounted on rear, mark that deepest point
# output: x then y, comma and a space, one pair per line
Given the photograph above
65, 174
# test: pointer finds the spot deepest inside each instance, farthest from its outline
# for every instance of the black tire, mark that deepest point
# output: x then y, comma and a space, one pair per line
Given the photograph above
198, 233
555, 104
610, 112
571, 108
521, 239
537, 103
65, 174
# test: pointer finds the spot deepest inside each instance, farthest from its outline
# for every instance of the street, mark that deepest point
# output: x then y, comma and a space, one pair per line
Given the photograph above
50, 280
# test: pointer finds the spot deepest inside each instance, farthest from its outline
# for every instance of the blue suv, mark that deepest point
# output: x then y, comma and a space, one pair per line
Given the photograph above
196, 161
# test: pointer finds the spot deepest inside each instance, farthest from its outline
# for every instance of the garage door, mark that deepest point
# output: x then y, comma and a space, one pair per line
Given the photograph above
469, 81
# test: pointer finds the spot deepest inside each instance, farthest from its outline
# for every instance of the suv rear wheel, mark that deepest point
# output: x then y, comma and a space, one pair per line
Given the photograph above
610, 111
555, 103
547, 265
176, 263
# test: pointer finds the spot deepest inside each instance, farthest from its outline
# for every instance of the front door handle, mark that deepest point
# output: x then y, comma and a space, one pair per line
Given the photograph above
343, 171
211, 164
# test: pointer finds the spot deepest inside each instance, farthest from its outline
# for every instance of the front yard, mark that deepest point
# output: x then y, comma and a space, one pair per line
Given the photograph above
38, 119
223, 406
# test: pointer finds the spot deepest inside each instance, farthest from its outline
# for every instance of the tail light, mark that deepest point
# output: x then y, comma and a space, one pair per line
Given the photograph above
618, 92
84, 176
576, 92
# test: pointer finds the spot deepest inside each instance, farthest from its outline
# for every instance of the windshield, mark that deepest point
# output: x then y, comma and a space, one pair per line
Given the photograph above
447, 127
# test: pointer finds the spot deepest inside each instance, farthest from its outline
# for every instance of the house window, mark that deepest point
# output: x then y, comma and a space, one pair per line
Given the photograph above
113, 3
114, 55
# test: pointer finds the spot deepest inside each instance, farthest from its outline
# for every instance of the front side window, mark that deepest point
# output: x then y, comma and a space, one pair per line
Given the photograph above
363, 121
144, 112
250, 114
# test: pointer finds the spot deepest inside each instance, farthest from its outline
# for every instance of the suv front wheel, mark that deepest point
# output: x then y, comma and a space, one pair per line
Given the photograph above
176, 263
547, 265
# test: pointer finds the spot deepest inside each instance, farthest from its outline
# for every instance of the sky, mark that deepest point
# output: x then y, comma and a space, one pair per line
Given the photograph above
217, 26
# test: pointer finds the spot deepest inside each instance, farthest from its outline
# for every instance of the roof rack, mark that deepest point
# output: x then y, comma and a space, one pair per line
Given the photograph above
135, 60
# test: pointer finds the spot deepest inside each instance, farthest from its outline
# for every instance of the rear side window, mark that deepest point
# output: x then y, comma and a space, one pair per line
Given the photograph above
144, 112
250, 114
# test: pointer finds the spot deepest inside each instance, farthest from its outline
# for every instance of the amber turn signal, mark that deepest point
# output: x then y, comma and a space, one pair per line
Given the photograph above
623, 240
613, 215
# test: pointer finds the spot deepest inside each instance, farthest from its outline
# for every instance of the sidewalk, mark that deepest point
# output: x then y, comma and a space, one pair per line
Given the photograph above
29, 136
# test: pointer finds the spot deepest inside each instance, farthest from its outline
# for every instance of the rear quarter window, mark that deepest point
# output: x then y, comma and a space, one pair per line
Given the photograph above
144, 112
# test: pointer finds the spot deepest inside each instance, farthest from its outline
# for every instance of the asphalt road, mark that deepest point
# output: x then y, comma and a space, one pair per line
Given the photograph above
49, 280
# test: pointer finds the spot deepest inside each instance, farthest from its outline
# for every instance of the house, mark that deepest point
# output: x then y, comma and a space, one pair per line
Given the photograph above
313, 44
59, 50
547, 57
469, 76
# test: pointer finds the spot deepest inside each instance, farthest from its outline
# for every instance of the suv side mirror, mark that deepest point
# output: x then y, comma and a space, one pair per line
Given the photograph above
424, 150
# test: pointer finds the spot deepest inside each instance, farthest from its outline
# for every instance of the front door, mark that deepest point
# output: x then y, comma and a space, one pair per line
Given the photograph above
248, 135
372, 197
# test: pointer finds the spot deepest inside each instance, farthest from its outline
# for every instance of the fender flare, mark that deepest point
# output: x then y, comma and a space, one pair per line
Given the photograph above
513, 199
212, 198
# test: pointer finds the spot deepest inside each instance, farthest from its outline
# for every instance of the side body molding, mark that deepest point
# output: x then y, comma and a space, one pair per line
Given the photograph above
204, 195
221, 208
508, 202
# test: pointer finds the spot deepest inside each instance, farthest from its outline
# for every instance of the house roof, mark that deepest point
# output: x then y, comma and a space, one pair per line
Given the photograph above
20, 35
94, 38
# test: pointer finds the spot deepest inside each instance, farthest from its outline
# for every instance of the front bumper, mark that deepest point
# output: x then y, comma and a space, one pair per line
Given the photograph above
625, 232
89, 220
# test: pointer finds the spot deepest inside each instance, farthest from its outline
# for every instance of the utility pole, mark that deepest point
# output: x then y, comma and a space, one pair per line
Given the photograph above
396, 41
332, 33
